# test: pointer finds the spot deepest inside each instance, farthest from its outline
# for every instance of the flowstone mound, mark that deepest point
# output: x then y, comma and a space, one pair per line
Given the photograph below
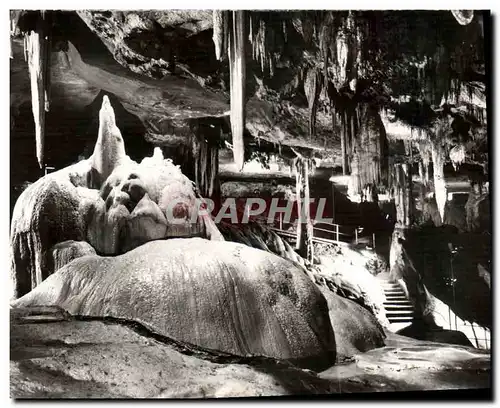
218, 295
130, 207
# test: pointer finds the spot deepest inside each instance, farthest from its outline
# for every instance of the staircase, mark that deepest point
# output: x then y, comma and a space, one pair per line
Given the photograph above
398, 309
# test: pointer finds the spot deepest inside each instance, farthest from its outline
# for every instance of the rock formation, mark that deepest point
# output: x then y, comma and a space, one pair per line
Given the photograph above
105, 358
132, 207
217, 295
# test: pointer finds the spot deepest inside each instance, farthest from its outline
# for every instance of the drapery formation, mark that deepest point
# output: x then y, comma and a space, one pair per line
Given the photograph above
369, 154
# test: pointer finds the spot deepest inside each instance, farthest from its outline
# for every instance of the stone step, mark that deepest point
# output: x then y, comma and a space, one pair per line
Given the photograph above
389, 306
389, 284
399, 290
396, 316
398, 307
395, 297
400, 320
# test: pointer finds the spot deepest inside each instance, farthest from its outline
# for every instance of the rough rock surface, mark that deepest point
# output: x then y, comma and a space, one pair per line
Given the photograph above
429, 356
477, 210
356, 329
55, 356
218, 295
350, 267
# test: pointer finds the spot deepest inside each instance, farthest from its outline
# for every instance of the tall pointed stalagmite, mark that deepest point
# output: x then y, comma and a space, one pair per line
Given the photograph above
37, 51
304, 243
109, 151
401, 181
237, 71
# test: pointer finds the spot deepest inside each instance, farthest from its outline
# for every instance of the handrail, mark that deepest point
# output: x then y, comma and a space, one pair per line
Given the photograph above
315, 239
332, 232
336, 233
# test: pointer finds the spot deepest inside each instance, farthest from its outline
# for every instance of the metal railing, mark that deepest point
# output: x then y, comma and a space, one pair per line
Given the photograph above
277, 227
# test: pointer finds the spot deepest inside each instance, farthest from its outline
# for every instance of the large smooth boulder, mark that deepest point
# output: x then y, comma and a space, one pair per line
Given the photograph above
218, 295
356, 329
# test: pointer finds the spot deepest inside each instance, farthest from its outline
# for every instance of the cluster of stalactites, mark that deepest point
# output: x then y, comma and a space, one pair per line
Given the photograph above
368, 143
206, 165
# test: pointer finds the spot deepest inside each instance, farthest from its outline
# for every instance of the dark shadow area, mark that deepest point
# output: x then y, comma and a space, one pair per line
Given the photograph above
453, 278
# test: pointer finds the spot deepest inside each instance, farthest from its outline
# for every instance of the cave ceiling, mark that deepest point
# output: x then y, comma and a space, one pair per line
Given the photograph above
162, 69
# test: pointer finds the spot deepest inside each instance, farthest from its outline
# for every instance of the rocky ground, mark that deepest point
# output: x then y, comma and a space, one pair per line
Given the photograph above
54, 355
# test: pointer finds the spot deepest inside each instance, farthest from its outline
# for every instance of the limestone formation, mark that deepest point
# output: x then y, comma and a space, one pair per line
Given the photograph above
109, 151
217, 295
63, 253
131, 207
48, 212
110, 359
356, 329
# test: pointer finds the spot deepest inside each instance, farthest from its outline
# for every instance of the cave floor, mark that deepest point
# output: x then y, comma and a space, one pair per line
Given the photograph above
55, 356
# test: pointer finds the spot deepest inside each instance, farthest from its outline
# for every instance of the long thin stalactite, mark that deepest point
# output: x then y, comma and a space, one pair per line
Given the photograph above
37, 53
237, 71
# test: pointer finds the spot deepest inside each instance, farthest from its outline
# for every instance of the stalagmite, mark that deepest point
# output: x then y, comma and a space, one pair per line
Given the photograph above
440, 192
304, 244
109, 150
38, 55
237, 78
402, 193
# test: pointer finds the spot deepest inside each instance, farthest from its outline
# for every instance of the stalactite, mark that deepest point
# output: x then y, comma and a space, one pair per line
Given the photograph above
37, 52
457, 156
218, 35
440, 192
368, 158
237, 79
206, 165
425, 155
312, 89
